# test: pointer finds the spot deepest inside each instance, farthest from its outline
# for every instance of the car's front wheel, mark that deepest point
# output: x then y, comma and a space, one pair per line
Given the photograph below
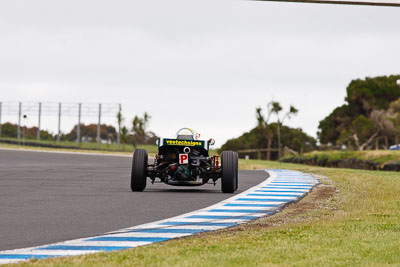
139, 170
229, 171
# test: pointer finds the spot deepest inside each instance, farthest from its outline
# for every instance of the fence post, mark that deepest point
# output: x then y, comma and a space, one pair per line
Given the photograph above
98, 126
119, 126
40, 114
19, 122
78, 129
59, 122
0, 117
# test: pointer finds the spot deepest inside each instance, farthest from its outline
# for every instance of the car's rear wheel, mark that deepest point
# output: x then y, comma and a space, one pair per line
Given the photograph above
229, 171
236, 171
139, 170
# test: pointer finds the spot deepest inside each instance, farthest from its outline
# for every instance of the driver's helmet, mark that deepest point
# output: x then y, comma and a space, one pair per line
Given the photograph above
187, 134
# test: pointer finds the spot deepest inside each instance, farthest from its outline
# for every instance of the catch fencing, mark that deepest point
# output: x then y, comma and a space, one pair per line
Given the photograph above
59, 110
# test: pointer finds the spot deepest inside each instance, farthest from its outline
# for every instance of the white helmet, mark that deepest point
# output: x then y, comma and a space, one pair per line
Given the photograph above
187, 134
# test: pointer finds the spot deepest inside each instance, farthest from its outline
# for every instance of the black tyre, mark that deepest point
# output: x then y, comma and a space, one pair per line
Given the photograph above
229, 171
236, 171
139, 170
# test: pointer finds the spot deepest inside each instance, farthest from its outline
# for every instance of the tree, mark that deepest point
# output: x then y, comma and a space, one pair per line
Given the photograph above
124, 136
89, 132
362, 131
10, 130
139, 125
363, 97
294, 138
372, 93
395, 109
263, 125
120, 120
388, 122
277, 108
332, 126
255, 139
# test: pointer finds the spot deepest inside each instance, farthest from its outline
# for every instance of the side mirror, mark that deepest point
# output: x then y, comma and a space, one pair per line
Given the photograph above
211, 142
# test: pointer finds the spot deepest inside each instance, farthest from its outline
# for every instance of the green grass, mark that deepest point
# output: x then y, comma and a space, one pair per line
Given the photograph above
87, 147
356, 224
152, 149
378, 156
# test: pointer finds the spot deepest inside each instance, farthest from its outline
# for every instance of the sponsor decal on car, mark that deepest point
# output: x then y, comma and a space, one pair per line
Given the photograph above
174, 142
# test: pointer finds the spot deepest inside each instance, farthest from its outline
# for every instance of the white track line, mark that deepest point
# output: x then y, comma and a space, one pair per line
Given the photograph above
267, 198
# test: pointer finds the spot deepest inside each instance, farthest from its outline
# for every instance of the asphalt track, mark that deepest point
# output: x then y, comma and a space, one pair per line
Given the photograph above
52, 197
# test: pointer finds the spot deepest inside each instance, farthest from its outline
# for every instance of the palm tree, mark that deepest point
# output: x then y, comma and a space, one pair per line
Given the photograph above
124, 136
139, 126
120, 119
277, 108
263, 123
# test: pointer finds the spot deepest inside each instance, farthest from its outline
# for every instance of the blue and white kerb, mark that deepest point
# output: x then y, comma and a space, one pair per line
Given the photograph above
281, 188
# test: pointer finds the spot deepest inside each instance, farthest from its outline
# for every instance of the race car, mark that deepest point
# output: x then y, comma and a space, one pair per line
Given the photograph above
185, 161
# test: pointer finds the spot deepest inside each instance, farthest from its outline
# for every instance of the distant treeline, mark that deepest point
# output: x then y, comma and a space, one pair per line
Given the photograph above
10, 130
256, 138
370, 118
108, 134
272, 136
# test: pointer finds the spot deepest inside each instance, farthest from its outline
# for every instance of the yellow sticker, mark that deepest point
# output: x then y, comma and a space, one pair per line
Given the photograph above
183, 143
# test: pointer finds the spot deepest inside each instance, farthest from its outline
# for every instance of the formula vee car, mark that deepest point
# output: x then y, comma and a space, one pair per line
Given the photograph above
185, 161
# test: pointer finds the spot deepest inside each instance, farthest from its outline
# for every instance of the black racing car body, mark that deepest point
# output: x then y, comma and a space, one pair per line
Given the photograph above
184, 162
181, 162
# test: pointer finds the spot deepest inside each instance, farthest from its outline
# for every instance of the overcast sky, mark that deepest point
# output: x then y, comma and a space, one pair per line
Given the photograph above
200, 64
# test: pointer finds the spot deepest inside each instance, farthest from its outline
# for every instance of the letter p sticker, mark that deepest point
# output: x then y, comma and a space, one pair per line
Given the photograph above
183, 159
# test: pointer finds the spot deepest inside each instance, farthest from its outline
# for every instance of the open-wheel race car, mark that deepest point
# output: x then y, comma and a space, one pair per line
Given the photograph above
185, 161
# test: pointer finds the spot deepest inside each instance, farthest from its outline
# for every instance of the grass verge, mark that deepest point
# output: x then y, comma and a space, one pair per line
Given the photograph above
378, 156
87, 146
124, 149
369, 159
351, 219
150, 149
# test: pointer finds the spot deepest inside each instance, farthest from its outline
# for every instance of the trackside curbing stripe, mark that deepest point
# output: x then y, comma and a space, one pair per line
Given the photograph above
238, 211
204, 224
25, 257
272, 195
267, 198
167, 230
129, 239
99, 248
249, 205
275, 187
222, 217
297, 183
301, 192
